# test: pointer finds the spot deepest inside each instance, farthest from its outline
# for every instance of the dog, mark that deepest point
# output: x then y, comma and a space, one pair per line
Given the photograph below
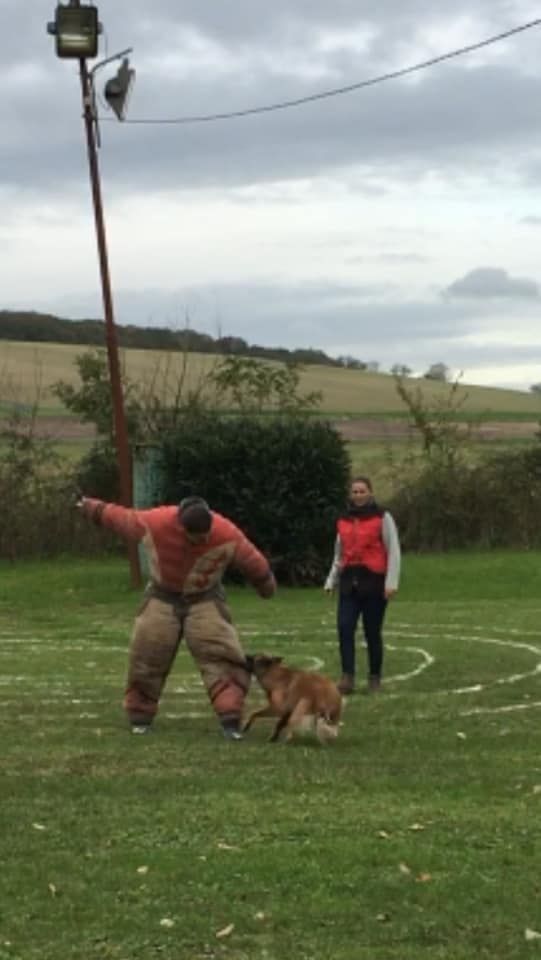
298, 698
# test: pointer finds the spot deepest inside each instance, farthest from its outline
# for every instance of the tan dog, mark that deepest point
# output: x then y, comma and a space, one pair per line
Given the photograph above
296, 697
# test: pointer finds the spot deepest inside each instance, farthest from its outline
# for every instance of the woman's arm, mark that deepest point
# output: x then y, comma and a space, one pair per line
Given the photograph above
334, 572
389, 535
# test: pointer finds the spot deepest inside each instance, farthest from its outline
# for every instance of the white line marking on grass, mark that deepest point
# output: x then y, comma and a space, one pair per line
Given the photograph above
186, 716
471, 628
427, 660
315, 663
508, 708
496, 641
190, 689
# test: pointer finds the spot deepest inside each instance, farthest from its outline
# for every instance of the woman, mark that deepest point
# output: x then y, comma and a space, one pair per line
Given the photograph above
366, 569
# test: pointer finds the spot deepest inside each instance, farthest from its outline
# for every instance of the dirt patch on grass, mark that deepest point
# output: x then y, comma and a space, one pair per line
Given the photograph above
64, 428
367, 429
60, 428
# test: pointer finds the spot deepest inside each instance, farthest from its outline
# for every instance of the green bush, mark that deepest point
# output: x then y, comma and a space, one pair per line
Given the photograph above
493, 504
38, 494
97, 472
281, 479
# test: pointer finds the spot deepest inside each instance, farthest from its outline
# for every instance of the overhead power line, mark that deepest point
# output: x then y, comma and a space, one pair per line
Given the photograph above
339, 91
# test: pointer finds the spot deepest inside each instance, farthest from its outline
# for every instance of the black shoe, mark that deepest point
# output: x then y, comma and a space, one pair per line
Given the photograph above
231, 731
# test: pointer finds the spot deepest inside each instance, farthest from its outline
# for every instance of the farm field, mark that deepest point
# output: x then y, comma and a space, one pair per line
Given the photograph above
416, 834
347, 392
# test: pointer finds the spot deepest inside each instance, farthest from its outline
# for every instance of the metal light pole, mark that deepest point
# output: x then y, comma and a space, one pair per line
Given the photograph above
76, 45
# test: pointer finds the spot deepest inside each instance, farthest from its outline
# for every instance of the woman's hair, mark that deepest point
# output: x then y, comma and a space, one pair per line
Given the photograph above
364, 480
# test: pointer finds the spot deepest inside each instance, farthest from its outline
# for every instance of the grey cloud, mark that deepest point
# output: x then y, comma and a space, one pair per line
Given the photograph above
532, 221
403, 258
293, 315
395, 129
492, 282
333, 317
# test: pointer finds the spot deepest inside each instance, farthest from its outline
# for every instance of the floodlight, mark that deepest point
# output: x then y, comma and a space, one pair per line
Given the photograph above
76, 30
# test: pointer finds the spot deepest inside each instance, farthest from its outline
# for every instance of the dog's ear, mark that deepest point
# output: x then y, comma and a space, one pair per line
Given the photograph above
249, 661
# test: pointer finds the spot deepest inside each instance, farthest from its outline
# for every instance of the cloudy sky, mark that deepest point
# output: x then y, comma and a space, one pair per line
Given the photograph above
399, 224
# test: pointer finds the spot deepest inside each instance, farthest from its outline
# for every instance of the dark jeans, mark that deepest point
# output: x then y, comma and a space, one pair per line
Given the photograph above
372, 608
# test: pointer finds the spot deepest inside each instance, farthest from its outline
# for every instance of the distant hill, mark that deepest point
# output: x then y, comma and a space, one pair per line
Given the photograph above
30, 327
27, 366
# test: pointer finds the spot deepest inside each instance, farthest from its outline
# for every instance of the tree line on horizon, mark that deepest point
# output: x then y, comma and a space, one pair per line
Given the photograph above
35, 327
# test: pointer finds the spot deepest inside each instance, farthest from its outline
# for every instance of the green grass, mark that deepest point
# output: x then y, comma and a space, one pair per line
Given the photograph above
417, 834
345, 392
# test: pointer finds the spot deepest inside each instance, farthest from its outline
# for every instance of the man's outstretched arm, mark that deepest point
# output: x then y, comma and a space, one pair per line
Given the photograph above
123, 520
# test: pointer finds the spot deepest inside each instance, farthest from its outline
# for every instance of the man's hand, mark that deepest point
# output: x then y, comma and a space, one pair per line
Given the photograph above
266, 588
329, 590
390, 592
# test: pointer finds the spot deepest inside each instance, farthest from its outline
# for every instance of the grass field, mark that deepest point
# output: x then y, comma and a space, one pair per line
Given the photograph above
417, 834
24, 365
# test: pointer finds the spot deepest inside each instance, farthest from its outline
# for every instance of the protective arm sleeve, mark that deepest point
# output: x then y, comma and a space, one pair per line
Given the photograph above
126, 522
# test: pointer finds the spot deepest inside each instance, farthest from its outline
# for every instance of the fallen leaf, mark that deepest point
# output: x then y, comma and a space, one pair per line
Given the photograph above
52, 888
225, 846
226, 931
38, 826
166, 922
383, 917
383, 834
461, 735
423, 878
531, 934
537, 788
142, 869
403, 867
416, 827
259, 915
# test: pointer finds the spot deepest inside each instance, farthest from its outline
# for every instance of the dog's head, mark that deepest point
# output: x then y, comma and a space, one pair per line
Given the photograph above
260, 663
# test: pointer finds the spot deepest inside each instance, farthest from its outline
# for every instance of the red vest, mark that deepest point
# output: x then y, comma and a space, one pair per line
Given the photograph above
362, 544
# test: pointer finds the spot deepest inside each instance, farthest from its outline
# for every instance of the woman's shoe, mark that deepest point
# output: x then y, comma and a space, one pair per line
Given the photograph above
374, 683
346, 684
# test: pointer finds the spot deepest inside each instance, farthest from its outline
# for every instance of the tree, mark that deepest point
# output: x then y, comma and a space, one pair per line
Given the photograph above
256, 385
92, 400
438, 421
351, 363
437, 371
401, 370
535, 388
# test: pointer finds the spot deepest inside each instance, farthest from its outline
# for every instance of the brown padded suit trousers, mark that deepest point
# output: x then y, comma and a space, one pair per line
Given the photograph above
212, 641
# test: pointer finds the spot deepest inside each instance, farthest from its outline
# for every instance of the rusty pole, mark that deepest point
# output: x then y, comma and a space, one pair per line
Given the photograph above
119, 418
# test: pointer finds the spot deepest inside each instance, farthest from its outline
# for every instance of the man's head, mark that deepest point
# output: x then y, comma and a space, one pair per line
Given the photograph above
196, 519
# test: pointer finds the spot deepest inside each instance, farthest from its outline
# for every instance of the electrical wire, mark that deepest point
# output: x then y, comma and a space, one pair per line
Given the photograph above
339, 91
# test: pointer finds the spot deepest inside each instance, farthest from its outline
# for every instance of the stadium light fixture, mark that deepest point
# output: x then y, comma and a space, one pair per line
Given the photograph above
76, 29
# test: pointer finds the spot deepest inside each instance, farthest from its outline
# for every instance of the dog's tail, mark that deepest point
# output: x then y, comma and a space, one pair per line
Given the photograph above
327, 722
325, 730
